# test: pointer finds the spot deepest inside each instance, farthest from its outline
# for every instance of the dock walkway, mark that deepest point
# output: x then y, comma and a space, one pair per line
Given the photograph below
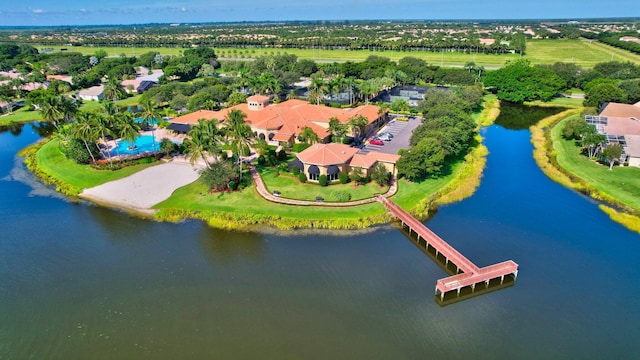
468, 274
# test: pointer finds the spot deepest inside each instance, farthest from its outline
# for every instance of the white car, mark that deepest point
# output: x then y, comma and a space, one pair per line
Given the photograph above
385, 137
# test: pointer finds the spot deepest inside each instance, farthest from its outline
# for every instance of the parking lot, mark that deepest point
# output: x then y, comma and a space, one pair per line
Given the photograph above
401, 131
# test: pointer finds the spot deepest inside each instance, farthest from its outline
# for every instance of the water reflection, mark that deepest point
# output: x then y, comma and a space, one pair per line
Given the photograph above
13, 128
519, 117
225, 247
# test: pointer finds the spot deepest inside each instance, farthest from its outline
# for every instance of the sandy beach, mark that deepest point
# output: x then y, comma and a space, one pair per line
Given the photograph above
140, 191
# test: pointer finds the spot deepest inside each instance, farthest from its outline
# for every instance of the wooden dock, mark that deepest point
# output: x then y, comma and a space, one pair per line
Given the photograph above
467, 273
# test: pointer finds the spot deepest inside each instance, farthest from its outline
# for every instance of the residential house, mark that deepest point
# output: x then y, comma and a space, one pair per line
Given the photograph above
333, 159
620, 123
94, 93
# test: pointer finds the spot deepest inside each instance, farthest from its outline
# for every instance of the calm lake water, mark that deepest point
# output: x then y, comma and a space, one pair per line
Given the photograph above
81, 282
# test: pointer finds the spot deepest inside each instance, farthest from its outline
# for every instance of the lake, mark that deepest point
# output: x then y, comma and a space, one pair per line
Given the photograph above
82, 282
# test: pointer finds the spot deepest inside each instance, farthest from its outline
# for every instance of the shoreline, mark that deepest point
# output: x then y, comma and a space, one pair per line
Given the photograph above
544, 154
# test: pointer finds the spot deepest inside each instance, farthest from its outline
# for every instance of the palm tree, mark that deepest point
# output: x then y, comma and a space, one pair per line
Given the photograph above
85, 130
113, 90
356, 123
17, 84
317, 89
350, 84
239, 133
127, 129
335, 126
150, 114
205, 139
309, 135
50, 110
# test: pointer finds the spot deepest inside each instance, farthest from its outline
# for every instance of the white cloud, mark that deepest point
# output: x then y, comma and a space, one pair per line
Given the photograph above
38, 11
183, 9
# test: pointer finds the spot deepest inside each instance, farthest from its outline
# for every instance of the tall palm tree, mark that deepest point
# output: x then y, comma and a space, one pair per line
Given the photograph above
127, 128
50, 110
317, 89
150, 114
113, 91
204, 139
101, 124
238, 133
84, 129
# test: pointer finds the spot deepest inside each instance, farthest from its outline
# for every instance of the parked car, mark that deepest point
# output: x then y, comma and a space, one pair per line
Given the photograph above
376, 141
387, 133
384, 137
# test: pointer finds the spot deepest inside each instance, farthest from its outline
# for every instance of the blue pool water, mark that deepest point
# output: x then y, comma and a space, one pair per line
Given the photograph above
140, 120
142, 144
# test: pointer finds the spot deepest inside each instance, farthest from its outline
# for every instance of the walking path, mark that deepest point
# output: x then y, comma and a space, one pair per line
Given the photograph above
262, 190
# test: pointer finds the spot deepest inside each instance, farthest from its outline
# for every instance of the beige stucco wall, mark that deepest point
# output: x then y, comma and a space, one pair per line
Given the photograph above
634, 161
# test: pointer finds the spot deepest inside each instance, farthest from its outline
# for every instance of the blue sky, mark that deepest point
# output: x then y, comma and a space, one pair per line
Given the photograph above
83, 12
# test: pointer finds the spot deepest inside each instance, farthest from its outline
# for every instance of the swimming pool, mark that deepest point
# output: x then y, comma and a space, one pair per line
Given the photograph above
140, 120
142, 144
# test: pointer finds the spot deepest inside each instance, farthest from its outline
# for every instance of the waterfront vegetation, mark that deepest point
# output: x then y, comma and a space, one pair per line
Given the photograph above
561, 160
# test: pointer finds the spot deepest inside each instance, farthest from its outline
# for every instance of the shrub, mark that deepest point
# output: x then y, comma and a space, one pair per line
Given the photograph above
300, 147
272, 160
76, 150
233, 185
282, 155
261, 160
246, 151
295, 170
344, 178
302, 177
323, 181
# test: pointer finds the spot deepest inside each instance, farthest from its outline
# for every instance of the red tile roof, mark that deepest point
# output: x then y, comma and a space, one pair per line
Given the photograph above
258, 98
622, 126
327, 154
195, 116
291, 116
368, 160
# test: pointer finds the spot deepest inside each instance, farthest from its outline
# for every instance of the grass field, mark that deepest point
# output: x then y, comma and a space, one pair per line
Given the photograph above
623, 183
52, 162
580, 52
291, 188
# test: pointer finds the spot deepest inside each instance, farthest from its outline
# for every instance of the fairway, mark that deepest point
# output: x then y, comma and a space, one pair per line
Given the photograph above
580, 52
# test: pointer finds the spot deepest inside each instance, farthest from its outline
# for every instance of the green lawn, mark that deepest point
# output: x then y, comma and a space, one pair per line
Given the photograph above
291, 188
623, 183
196, 196
21, 115
51, 161
580, 52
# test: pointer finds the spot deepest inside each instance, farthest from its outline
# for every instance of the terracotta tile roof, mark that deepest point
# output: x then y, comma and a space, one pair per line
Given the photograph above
622, 126
368, 160
195, 116
327, 154
282, 137
291, 116
60, 77
621, 110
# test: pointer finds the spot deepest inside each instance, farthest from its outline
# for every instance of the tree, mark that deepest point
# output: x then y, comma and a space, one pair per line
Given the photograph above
336, 128
239, 134
602, 93
84, 129
356, 123
113, 90
518, 82
236, 98
317, 89
426, 158
591, 141
218, 175
150, 115
308, 135
204, 139
380, 174
612, 153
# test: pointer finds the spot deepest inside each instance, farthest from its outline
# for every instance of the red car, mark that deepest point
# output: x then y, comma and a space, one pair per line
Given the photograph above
376, 142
